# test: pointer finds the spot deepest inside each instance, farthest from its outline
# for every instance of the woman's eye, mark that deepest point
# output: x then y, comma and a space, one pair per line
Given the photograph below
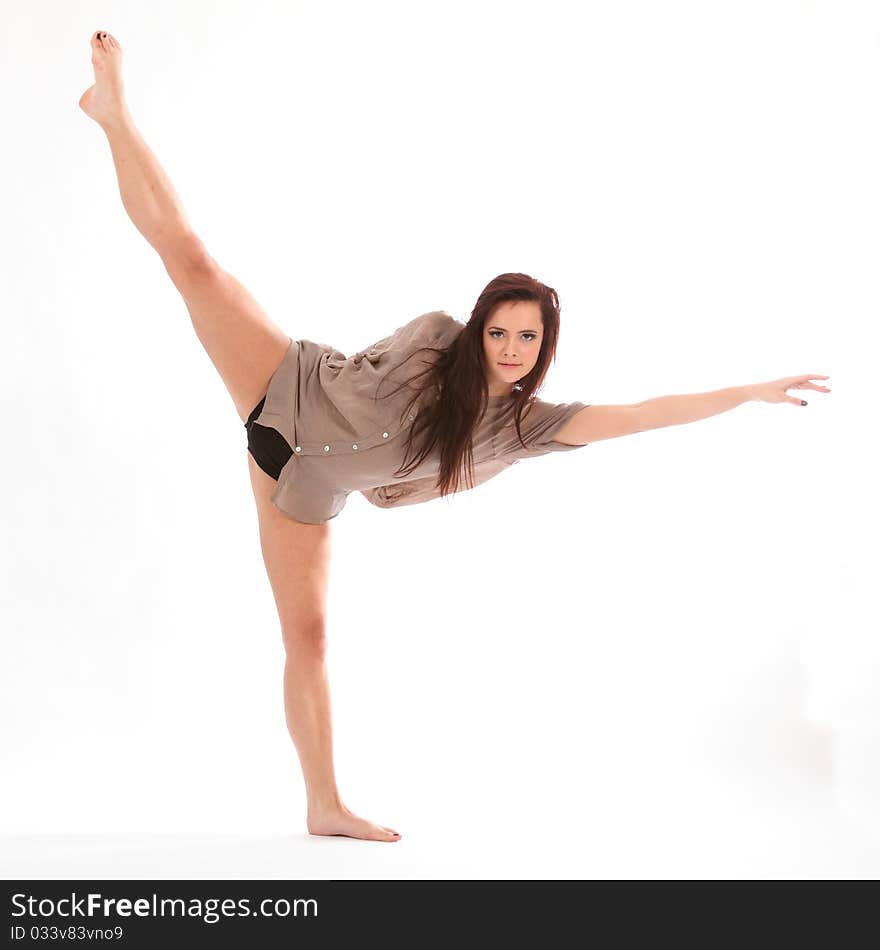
530, 336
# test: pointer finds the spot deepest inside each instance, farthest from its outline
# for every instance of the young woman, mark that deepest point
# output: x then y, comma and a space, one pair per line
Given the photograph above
435, 408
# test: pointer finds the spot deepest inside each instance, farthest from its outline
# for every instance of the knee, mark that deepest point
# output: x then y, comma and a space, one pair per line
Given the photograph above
305, 638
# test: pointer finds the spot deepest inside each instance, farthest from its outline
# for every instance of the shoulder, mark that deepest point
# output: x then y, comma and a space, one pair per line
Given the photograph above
432, 328
538, 411
435, 328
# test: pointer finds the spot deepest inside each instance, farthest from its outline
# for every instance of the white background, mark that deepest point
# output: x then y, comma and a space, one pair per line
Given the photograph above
651, 657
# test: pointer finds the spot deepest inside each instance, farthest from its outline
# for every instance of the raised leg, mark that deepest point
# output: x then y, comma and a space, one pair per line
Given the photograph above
297, 559
244, 345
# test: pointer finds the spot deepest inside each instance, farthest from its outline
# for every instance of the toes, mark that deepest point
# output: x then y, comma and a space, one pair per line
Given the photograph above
105, 42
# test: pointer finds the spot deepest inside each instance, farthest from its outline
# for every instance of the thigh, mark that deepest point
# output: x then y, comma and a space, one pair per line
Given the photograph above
243, 343
297, 559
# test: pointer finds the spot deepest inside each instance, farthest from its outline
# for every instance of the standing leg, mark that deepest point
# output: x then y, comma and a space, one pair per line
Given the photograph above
297, 559
244, 345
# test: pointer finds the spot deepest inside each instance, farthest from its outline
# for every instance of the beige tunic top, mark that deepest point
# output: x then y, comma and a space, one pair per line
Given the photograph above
345, 439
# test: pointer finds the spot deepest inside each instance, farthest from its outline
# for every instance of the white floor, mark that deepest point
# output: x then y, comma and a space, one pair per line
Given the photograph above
790, 831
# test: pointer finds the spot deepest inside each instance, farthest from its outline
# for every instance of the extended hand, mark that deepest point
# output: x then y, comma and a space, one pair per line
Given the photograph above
776, 391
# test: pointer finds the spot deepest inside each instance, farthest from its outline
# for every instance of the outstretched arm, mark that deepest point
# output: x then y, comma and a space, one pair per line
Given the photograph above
595, 423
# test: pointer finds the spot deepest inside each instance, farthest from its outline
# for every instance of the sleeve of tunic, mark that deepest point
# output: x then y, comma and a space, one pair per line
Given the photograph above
425, 489
403, 493
541, 421
436, 328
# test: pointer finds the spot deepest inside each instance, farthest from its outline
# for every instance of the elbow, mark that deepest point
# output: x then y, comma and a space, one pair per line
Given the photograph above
388, 496
373, 497
640, 418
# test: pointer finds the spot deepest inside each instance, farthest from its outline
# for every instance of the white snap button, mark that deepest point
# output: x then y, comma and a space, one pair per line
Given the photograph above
326, 448
355, 445
298, 449
384, 435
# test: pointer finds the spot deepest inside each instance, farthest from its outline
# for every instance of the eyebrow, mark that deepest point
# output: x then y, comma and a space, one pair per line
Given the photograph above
505, 330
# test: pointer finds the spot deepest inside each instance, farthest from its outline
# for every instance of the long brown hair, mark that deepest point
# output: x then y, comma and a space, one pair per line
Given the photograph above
456, 381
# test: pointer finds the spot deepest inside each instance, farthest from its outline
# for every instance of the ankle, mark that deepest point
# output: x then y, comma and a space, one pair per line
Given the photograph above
119, 121
319, 803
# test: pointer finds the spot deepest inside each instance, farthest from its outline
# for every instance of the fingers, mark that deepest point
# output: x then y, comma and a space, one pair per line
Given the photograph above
799, 382
804, 382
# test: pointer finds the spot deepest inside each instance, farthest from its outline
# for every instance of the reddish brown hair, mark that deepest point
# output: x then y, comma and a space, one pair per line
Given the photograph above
456, 388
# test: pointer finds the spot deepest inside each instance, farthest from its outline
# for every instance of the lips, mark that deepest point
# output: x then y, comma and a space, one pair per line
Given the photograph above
510, 365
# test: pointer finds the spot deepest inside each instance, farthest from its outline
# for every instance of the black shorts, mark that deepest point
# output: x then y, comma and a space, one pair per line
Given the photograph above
267, 445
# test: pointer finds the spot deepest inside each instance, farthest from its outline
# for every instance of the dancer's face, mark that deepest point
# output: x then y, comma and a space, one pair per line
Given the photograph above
511, 335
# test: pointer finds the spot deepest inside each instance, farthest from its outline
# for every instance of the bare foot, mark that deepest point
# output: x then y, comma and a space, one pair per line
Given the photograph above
105, 101
340, 821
